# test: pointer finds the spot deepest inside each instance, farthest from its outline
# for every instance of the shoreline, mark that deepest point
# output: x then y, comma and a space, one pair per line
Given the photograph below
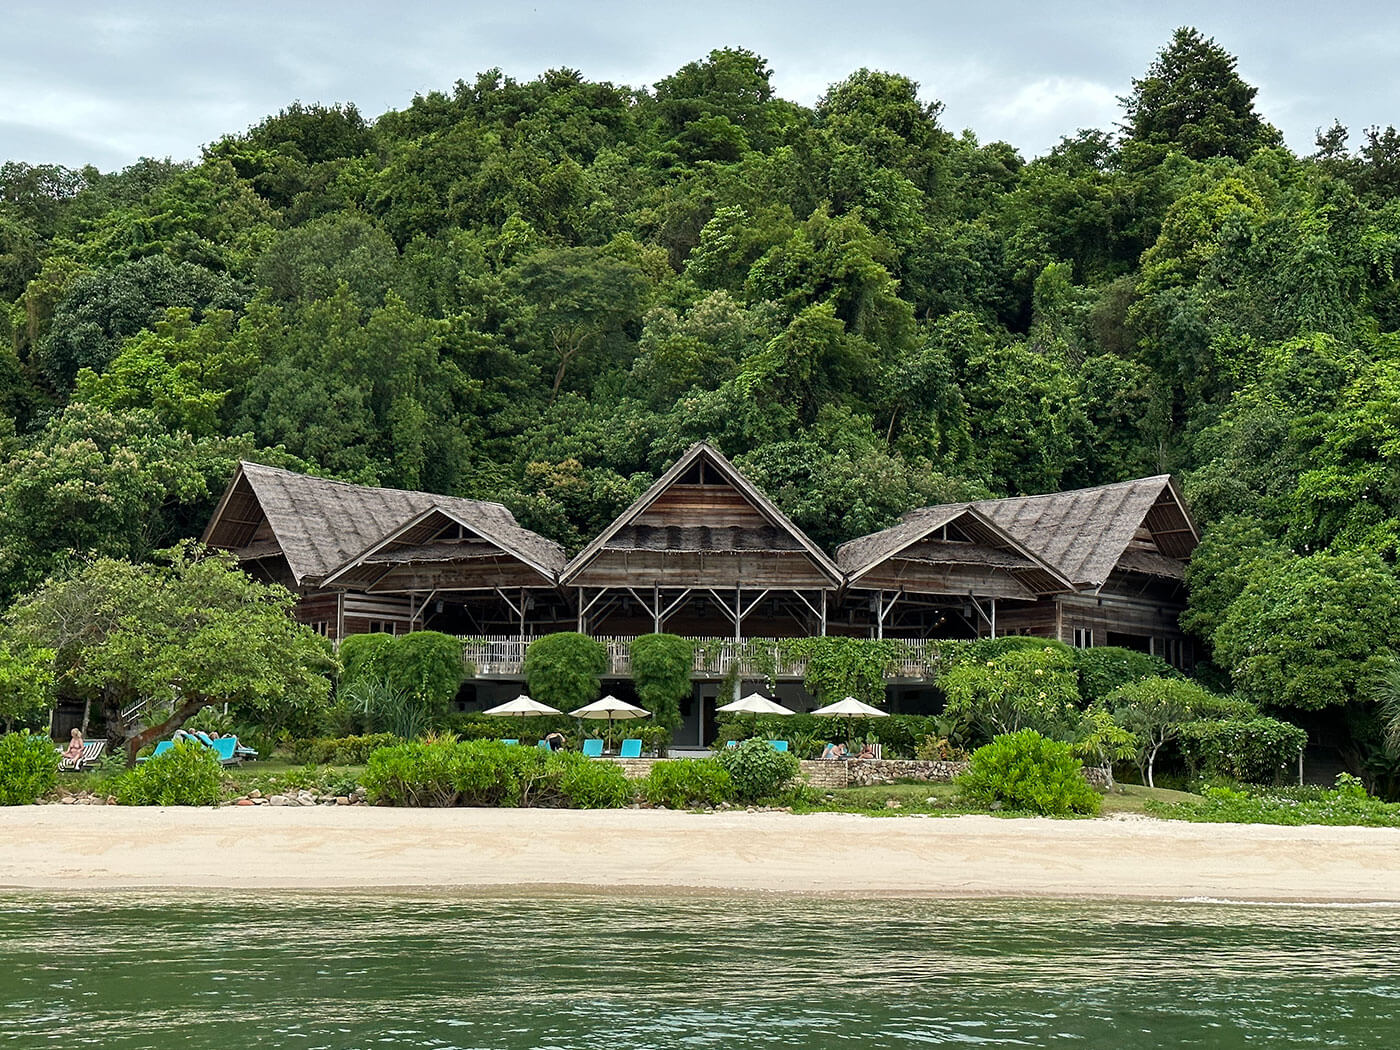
540, 852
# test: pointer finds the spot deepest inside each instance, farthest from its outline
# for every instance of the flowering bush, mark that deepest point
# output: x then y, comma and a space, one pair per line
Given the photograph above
1035, 688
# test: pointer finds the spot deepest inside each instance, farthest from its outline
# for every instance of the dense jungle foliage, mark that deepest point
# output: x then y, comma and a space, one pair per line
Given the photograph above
541, 292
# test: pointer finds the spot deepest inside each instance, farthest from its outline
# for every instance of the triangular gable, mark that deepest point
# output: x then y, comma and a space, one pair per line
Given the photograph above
440, 536
988, 546
736, 520
318, 523
1085, 533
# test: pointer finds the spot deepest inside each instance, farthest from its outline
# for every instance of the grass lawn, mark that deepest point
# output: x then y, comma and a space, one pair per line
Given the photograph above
942, 799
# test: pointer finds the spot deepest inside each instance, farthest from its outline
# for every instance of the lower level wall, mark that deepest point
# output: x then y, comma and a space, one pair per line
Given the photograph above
862, 772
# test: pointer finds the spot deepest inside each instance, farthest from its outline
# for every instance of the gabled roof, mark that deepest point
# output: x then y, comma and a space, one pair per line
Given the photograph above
778, 534
419, 541
990, 546
318, 524
1084, 533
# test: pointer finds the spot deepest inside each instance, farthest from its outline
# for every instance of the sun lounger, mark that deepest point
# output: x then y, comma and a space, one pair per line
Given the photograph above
545, 744
510, 741
630, 749
732, 743
778, 745
92, 751
243, 750
226, 747
593, 748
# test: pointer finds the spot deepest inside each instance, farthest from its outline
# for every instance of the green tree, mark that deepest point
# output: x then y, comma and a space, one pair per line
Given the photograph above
1192, 100
1154, 710
1306, 632
661, 666
26, 684
178, 638
564, 669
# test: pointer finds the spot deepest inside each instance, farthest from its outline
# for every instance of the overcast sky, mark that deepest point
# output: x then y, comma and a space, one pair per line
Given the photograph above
106, 83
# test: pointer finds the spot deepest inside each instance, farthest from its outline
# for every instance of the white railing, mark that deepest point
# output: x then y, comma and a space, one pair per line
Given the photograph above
495, 655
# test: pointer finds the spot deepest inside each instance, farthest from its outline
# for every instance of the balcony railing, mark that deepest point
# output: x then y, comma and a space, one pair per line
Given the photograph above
503, 655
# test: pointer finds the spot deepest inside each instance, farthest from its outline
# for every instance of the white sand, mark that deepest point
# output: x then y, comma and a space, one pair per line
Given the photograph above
81, 848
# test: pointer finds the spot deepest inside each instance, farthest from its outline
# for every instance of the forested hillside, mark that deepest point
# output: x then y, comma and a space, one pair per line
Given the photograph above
542, 292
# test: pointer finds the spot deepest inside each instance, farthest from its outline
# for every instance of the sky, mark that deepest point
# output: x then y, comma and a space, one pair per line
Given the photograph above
105, 84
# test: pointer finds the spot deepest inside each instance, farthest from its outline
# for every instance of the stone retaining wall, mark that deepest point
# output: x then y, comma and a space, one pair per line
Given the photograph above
861, 772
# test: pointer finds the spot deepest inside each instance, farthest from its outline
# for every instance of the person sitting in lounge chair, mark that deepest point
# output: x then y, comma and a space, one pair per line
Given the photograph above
74, 754
867, 751
834, 751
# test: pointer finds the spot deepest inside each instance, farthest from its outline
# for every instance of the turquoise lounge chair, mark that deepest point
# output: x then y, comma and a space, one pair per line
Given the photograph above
593, 748
161, 748
732, 743
545, 745
510, 741
226, 747
778, 745
630, 749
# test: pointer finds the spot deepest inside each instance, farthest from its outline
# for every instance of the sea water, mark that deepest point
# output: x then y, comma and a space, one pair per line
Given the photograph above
346, 972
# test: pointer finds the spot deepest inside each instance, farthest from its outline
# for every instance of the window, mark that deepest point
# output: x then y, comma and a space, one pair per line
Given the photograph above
383, 627
1083, 637
322, 627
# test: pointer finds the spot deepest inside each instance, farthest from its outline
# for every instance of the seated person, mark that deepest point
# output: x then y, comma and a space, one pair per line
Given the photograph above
867, 751
834, 751
74, 754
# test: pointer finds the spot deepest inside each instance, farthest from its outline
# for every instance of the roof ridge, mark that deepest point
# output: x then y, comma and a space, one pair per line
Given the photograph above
1072, 492
246, 463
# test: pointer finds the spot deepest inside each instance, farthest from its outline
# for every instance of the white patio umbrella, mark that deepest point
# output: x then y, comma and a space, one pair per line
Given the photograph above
610, 707
849, 708
756, 704
523, 706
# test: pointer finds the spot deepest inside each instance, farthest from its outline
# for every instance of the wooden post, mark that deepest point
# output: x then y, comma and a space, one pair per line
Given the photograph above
580, 611
656, 607
994, 617
823, 616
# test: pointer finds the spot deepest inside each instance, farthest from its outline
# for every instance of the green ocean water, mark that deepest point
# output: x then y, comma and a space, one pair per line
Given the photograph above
123, 972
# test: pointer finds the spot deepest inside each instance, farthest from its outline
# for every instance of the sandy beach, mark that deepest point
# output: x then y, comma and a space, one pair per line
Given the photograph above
87, 848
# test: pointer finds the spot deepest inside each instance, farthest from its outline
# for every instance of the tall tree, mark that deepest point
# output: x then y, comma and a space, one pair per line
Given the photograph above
1193, 101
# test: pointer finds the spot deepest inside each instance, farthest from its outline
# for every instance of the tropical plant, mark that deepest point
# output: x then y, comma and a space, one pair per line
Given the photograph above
757, 771
564, 669
28, 768
661, 667
1028, 773
186, 775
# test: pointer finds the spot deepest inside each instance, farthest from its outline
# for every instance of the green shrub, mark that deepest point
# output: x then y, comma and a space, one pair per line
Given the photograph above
661, 665
1024, 771
427, 667
415, 773
1345, 804
28, 768
447, 772
683, 783
954, 653
564, 669
340, 751
1106, 667
1255, 750
586, 784
756, 770
362, 656
186, 775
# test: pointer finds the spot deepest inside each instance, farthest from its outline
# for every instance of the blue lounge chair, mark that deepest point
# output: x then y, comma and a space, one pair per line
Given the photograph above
545, 745
510, 741
778, 745
732, 743
161, 748
226, 747
630, 749
242, 749
593, 748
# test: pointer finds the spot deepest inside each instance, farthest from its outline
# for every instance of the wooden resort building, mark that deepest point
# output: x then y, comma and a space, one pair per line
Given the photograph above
704, 553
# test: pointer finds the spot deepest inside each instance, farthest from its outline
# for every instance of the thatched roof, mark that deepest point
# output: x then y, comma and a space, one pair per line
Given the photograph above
318, 524
777, 533
1085, 532
1081, 535
984, 544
